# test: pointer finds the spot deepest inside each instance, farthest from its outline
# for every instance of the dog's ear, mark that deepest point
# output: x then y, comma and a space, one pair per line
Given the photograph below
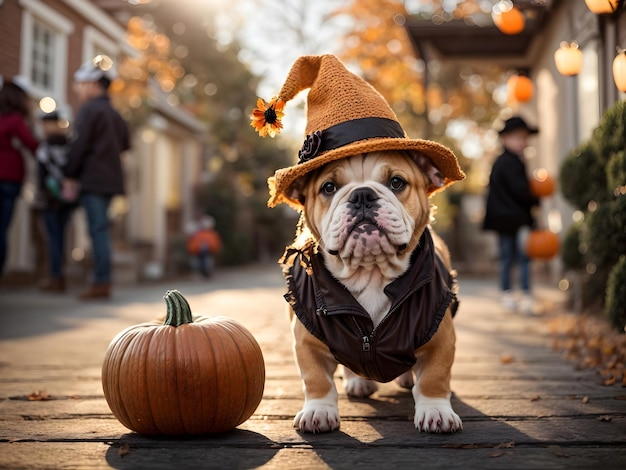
429, 169
297, 188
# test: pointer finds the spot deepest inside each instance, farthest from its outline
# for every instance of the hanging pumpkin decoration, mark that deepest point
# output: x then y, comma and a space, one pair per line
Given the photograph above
183, 376
600, 7
568, 59
507, 18
542, 244
520, 88
541, 183
619, 70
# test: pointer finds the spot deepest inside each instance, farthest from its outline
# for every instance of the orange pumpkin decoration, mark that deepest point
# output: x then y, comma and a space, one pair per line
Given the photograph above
542, 244
541, 183
508, 18
521, 88
619, 70
184, 376
568, 59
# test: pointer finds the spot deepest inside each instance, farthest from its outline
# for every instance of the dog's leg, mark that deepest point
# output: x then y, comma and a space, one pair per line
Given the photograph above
433, 412
405, 380
356, 386
317, 366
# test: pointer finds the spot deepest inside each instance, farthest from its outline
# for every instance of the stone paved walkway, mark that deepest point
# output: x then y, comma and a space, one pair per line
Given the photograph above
522, 404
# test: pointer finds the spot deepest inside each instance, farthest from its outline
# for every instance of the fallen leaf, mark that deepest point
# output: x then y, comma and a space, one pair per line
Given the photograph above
609, 381
507, 359
460, 446
496, 455
39, 395
506, 445
124, 449
605, 418
585, 400
537, 398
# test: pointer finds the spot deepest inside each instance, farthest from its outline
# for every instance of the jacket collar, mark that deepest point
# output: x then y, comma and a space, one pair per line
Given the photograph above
337, 299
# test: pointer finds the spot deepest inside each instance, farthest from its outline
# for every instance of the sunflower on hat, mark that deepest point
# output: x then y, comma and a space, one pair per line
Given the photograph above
266, 118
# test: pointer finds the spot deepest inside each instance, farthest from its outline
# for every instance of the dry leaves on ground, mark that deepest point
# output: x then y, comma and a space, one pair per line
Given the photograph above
39, 395
507, 359
591, 343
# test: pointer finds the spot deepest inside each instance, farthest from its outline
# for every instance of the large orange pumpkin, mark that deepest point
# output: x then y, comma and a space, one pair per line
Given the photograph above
541, 183
184, 376
542, 244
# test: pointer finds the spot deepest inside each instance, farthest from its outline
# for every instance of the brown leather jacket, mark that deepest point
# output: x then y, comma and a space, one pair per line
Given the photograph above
326, 308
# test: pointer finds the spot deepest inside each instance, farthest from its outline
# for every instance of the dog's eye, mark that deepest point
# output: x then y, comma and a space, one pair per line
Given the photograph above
396, 183
329, 187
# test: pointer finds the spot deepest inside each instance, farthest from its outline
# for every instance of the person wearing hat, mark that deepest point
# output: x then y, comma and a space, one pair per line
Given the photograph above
56, 210
509, 209
94, 166
15, 135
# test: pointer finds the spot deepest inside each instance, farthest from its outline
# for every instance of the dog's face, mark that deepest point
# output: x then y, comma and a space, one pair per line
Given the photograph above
369, 210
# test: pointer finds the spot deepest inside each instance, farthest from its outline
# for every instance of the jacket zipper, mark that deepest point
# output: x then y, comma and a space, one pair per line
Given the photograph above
365, 339
372, 335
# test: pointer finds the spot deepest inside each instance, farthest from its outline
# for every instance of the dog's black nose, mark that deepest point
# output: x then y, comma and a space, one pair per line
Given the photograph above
363, 198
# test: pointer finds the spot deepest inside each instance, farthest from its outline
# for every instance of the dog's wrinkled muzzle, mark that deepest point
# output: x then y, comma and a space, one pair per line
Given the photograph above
363, 211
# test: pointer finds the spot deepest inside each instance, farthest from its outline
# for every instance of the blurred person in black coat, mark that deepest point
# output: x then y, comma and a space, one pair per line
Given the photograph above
509, 209
94, 166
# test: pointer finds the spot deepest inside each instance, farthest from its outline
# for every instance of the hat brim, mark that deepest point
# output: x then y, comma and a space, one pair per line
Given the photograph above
442, 157
530, 130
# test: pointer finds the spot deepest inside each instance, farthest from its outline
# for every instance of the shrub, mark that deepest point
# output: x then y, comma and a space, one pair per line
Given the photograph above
593, 178
583, 177
615, 306
572, 251
610, 135
616, 173
600, 237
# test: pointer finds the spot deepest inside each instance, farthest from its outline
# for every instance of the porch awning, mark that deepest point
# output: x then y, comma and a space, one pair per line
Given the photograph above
462, 41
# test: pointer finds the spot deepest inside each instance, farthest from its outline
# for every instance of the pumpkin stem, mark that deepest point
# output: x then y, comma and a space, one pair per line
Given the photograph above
178, 311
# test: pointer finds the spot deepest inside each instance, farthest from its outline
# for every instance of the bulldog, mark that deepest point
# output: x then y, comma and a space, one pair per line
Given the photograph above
371, 287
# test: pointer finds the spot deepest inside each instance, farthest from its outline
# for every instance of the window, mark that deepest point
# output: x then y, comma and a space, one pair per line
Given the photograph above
44, 49
43, 60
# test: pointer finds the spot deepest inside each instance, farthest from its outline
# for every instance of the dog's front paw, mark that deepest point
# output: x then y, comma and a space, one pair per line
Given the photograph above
436, 415
317, 416
359, 387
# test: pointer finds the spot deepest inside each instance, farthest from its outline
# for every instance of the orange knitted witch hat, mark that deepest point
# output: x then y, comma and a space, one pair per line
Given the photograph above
345, 116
